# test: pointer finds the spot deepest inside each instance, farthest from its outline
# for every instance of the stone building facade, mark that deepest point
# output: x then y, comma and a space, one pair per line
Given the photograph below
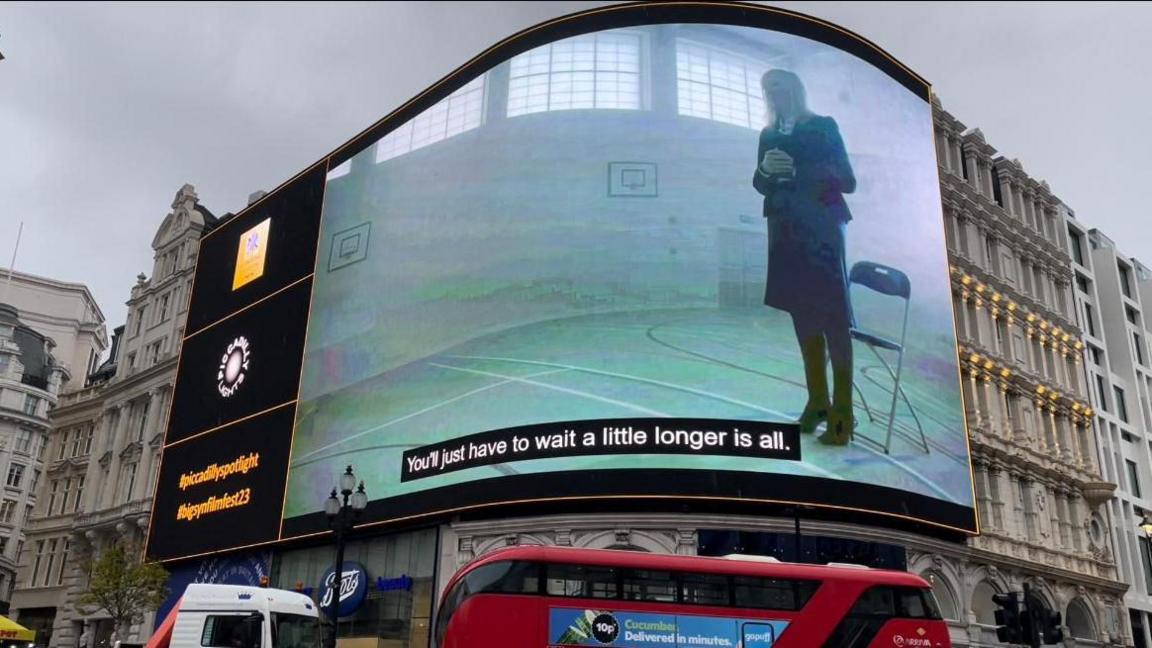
103, 452
51, 334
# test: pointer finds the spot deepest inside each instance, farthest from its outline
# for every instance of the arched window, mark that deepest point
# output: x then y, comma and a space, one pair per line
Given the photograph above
982, 605
945, 595
1079, 620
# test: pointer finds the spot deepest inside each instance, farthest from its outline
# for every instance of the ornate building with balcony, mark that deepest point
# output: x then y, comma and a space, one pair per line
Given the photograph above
30, 380
103, 451
1036, 459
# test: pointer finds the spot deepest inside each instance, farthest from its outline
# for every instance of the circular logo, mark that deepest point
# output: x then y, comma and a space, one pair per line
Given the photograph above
353, 588
233, 365
898, 640
605, 628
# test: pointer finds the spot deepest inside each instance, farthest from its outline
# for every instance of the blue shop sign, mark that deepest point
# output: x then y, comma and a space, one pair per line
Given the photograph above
403, 583
353, 588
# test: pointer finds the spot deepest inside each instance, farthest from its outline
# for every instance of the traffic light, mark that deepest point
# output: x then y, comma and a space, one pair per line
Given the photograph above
1008, 619
1050, 628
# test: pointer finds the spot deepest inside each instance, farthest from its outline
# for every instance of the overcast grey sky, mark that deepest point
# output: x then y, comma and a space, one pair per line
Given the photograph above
107, 110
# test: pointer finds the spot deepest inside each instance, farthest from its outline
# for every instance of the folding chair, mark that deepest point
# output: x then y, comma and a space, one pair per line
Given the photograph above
892, 283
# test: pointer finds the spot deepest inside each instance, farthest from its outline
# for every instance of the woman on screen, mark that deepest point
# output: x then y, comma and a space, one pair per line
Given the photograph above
803, 173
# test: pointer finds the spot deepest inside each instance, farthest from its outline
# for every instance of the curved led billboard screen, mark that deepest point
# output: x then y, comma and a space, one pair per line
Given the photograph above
634, 255
574, 264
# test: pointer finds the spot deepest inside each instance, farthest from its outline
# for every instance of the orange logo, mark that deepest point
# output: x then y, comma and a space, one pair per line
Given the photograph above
250, 256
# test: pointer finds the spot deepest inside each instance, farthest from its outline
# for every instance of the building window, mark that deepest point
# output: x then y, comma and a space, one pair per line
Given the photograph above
140, 319
27, 515
459, 112
1089, 319
64, 444
163, 308
30, 404
67, 546
15, 475
35, 482
3, 545
66, 493
1132, 316
1007, 265
1038, 283
79, 493
1133, 477
990, 257
1019, 348
962, 236
1076, 242
24, 441
1002, 344
722, 86
585, 72
1125, 280
34, 577
1138, 344
1100, 392
1097, 355
1121, 406
77, 438
129, 481
87, 447
151, 354
143, 421
53, 493
1146, 559
7, 510
50, 561
1082, 284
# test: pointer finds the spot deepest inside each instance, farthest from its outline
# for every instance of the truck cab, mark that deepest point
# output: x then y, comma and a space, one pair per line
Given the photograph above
237, 616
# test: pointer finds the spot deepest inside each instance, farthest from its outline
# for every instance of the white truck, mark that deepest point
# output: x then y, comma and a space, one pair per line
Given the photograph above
238, 616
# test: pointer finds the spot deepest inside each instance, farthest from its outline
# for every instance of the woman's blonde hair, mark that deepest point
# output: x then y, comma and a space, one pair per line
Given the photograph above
795, 88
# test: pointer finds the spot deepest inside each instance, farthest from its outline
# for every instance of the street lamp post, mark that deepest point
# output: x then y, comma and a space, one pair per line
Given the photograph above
341, 517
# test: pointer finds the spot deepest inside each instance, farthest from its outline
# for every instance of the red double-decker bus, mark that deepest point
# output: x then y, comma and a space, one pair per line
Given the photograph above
553, 597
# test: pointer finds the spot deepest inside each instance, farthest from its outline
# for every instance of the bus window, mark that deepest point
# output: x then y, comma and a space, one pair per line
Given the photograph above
875, 607
647, 585
772, 593
913, 603
704, 589
505, 577
582, 581
876, 601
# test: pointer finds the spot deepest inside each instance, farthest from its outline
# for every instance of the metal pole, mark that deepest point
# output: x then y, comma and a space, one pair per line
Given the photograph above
338, 576
12, 264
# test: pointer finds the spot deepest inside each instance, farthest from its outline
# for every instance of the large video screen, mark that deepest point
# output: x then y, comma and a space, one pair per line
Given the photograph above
692, 260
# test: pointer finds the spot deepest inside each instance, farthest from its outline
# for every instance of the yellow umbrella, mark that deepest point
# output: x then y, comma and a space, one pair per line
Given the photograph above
12, 631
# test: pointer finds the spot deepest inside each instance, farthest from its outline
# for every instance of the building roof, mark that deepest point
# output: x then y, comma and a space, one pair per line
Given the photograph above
35, 348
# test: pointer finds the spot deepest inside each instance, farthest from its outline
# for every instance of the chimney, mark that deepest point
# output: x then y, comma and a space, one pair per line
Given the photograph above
253, 197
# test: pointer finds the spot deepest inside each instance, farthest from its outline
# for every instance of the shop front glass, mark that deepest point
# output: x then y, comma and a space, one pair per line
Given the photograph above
397, 609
